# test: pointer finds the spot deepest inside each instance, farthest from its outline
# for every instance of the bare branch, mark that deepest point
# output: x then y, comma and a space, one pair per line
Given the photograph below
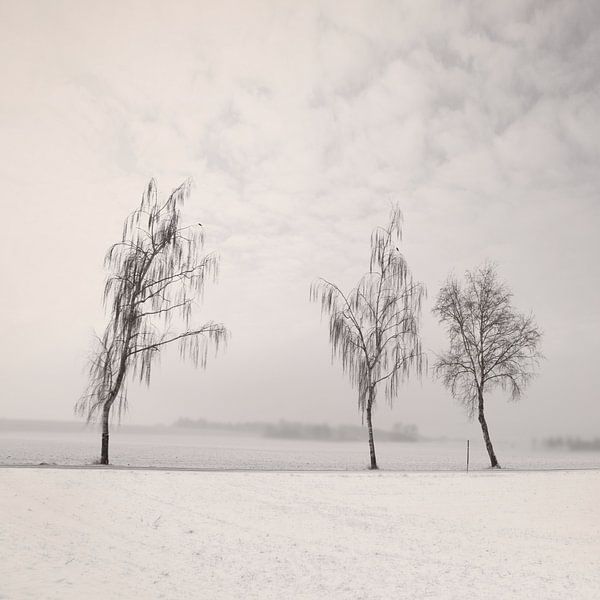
490, 343
157, 271
374, 329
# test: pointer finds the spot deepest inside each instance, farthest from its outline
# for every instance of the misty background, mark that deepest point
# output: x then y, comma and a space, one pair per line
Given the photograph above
300, 124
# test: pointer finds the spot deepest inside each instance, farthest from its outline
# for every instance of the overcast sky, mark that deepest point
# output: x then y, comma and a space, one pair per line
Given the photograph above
300, 122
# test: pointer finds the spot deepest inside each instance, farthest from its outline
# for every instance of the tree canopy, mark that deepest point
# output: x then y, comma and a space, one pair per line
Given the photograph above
157, 272
374, 329
491, 344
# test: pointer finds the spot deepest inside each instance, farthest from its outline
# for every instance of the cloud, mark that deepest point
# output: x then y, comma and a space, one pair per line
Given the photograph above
300, 123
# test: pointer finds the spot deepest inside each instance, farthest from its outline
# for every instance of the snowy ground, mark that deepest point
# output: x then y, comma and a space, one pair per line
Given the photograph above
102, 533
217, 451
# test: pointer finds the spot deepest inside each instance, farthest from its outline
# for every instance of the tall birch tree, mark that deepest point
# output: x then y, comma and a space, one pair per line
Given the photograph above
157, 272
491, 344
374, 328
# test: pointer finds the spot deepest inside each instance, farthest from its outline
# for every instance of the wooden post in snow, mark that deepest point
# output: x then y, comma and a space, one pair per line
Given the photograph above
467, 456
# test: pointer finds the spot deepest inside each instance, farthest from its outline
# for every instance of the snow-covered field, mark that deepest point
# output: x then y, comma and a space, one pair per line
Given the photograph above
209, 450
102, 533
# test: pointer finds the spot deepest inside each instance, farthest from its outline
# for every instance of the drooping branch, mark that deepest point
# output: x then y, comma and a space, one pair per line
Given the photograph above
157, 273
374, 329
213, 328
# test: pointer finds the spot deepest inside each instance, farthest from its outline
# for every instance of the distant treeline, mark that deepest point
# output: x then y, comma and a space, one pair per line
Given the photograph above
254, 427
73, 426
306, 431
282, 429
572, 443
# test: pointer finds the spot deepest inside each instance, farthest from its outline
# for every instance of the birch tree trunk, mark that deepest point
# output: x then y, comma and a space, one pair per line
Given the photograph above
105, 433
486, 433
106, 412
370, 427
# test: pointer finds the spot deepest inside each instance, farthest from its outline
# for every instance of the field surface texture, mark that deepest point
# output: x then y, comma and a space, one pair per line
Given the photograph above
102, 533
217, 451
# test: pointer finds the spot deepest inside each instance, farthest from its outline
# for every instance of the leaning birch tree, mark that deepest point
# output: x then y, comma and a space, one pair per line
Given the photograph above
157, 272
374, 328
491, 344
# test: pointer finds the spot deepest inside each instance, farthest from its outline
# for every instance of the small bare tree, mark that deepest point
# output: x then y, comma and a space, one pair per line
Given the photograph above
157, 271
490, 343
374, 329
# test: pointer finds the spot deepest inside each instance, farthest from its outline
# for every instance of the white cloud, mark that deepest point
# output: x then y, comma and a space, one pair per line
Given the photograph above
299, 122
